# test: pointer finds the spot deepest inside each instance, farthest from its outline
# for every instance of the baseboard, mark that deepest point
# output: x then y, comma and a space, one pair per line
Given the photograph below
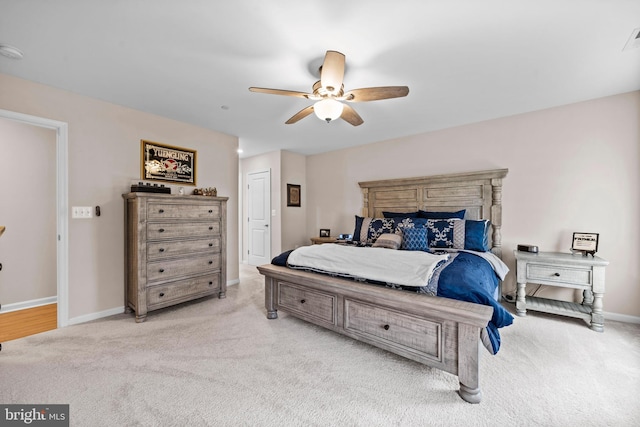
96, 316
233, 282
6, 308
621, 318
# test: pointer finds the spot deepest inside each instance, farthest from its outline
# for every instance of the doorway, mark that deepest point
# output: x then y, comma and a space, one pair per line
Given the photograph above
259, 217
60, 236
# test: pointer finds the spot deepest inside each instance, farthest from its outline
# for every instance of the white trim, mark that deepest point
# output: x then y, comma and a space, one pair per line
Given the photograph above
7, 308
62, 185
95, 316
621, 318
233, 282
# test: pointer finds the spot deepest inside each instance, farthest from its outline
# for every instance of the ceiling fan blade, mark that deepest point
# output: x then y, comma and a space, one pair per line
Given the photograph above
375, 93
349, 115
280, 92
300, 115
332, 71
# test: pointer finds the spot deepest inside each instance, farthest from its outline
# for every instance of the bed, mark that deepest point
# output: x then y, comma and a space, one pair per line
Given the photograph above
441, 332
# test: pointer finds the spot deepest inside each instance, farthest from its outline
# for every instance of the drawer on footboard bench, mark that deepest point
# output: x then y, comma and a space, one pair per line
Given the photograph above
411, 336
314, 306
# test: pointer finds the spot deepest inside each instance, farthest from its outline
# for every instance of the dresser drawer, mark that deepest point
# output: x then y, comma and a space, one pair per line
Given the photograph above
312, 305
183, 211
171, 230
394, 329
183, 290
559, 274
170, 248
161, 270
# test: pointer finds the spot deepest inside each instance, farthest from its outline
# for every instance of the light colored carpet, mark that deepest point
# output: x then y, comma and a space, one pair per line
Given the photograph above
222, 363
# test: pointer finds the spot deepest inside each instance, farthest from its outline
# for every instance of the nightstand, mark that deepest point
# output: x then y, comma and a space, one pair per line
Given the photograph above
567, 271
321, 240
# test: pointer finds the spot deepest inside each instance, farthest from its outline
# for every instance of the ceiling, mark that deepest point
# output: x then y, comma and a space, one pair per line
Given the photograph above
194, 60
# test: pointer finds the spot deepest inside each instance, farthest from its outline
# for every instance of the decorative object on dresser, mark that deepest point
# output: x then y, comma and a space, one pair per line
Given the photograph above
564, 270
175, 250
439, 332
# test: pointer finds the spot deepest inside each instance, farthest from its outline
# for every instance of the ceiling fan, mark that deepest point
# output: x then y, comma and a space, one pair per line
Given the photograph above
329, 93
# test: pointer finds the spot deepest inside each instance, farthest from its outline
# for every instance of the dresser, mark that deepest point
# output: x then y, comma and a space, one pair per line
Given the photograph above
565, 270
175, 250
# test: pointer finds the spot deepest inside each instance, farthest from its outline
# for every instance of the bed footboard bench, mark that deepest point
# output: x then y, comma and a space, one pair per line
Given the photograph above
438, 332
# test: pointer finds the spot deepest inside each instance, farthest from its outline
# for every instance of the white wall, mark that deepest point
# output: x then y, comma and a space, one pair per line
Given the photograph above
294, 219
104, 159
571, 168
27, 191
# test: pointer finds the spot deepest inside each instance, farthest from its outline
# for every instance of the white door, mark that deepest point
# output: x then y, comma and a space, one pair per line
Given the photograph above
259, 217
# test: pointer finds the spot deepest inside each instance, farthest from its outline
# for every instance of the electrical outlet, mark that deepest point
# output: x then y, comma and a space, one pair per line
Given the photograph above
81, 212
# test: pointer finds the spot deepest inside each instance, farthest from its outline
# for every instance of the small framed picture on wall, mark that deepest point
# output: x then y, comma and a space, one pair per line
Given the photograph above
293, 195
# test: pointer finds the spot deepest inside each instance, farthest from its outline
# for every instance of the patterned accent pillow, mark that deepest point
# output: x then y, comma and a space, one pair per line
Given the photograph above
401, 223
458, 234
367, 229
388, 241
415, 239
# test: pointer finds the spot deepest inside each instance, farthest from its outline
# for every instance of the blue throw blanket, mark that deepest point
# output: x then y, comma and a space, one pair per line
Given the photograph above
470, 278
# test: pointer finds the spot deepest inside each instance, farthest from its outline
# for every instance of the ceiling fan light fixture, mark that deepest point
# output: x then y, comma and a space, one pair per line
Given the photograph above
328, 109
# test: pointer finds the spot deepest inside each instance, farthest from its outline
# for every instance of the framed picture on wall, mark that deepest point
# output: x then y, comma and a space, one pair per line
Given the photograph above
293, 195
325, 232
160, 162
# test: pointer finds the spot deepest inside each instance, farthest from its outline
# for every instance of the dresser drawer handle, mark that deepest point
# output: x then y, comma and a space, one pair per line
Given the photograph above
161, 270
161, 294
161, 211
210, 244
161, 230
161, 249
210, 262
210, 283
386, 327
556, 274
302, 301
210, 210
210, 228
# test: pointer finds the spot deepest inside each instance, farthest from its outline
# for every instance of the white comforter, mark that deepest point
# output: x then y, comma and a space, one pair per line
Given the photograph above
406, 268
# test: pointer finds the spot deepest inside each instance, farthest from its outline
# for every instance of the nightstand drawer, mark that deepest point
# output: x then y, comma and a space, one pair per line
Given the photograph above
559, 274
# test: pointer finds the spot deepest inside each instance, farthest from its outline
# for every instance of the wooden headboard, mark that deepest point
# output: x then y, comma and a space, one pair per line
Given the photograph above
480, 193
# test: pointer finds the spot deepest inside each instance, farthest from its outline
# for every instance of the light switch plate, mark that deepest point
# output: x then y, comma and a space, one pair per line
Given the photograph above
81, 212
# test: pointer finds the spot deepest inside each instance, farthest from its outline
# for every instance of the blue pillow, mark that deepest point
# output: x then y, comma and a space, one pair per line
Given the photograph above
400, 214
415, 239
441, 215
458, 234
367, 230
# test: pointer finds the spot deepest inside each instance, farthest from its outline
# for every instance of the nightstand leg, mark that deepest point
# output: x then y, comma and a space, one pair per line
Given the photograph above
521, 302
587, 297
597, 318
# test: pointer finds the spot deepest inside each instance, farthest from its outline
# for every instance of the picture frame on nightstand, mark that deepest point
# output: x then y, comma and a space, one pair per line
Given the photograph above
587, 243
325, 232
